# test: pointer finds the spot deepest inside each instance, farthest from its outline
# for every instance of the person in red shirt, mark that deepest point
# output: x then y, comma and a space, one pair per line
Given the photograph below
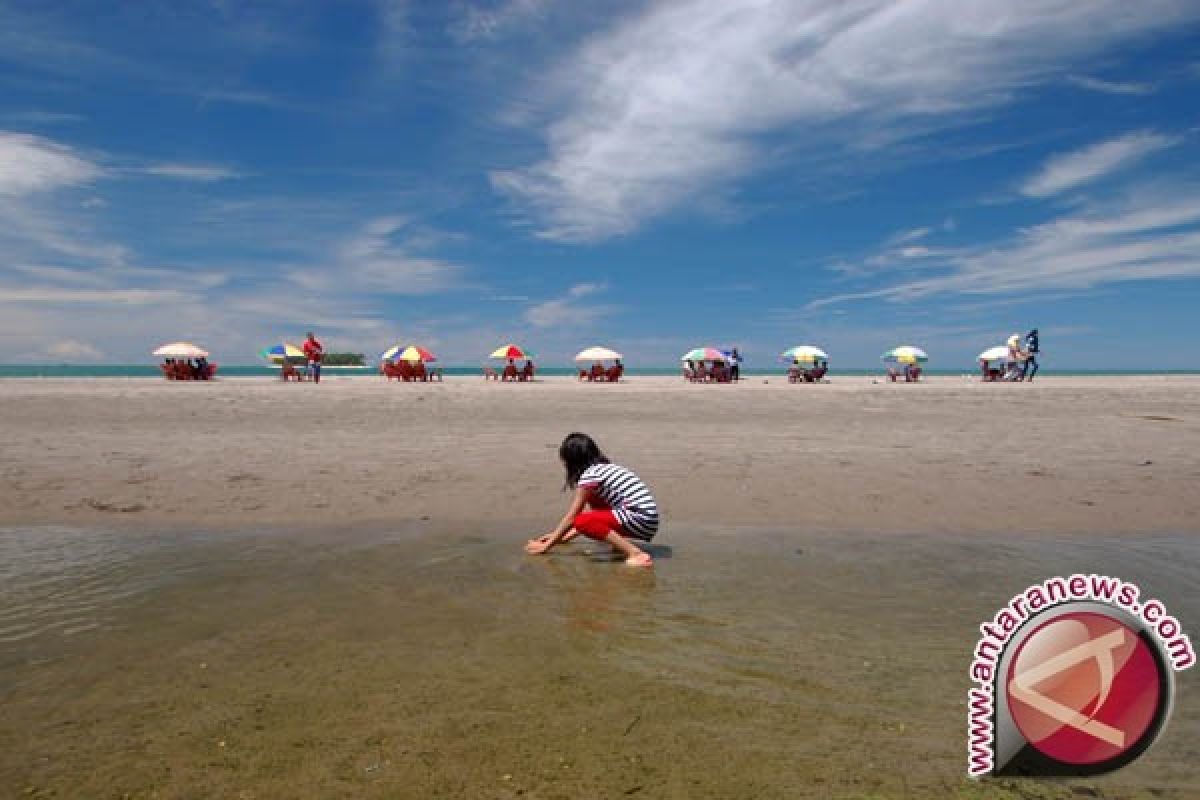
314, 353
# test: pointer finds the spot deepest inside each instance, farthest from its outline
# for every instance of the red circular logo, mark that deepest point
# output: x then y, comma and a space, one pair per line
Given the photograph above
1084, 688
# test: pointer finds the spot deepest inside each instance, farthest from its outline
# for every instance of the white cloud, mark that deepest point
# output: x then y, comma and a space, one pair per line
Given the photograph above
1111, 87
567, 310
665, 109
73, 349
1149, 234
204, 173
381, 257
1069, 170
31, 164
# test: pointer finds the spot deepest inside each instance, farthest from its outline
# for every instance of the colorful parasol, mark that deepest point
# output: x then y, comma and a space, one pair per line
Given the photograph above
906, 354
414, 353
804, 353
391, 353
510, 351
279, 352
704, 354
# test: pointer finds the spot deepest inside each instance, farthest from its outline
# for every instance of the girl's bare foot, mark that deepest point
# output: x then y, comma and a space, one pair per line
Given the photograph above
639, 560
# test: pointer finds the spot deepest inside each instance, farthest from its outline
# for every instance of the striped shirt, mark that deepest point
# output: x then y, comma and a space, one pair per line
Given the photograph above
623, 491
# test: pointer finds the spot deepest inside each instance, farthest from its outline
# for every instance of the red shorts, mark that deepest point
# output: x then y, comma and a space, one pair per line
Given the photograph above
598, 523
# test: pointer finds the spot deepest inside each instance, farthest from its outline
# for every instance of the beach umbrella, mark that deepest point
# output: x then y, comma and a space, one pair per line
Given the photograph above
597, 354
279, 352
414, 353
906, 354
704, 354
510, 351
180, 350
997, 353
805, 353
391, 353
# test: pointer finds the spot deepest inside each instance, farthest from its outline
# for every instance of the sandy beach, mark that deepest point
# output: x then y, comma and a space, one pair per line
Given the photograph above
254, 590
1062, 454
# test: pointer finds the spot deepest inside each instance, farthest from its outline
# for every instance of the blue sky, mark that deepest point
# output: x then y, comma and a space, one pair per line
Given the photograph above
648, 175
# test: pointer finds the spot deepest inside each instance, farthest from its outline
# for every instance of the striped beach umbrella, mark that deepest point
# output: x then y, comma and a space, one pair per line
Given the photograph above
597, 354
704, 354
906, 354
181, 350
997, 353
391, 353
510, 351
804, 353
414, 353
279, 352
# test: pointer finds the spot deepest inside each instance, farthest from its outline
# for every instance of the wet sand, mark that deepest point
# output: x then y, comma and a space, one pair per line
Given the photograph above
1061, 454
444, 663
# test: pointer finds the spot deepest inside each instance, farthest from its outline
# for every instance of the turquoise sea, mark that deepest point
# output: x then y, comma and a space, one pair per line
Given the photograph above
258, 370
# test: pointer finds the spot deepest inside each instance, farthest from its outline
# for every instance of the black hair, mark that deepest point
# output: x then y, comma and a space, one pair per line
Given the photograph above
578, 452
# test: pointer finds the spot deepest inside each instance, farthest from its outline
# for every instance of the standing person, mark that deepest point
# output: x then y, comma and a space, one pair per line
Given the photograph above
1016, 359
314, 352
735, 369
1032, 348
622, 510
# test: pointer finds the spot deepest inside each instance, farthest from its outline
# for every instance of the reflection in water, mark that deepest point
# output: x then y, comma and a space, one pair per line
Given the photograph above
603, 597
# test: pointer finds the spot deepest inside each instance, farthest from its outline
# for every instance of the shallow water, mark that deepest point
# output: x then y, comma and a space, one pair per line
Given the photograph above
446, 663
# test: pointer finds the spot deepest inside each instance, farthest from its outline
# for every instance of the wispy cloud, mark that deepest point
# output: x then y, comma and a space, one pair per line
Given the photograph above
203, 173
35, 117
484, 22
568, 309
52, 295
31, 163
382, 256
1152, 233
676, 103
1070, 170
1111, 87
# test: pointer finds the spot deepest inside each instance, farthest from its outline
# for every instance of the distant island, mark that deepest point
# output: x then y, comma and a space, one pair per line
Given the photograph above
344, 360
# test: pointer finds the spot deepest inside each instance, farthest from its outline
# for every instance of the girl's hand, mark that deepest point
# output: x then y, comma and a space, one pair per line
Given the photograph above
538, 546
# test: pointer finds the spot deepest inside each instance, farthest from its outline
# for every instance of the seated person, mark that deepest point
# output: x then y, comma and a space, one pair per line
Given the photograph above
720, 372
490, 374
912, 373
527, 370
597, 373
418, 372
817, 374
689, 371
510, 371
287, 371
615, 372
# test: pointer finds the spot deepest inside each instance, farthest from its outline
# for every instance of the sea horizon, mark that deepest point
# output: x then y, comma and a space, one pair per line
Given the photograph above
262, 370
